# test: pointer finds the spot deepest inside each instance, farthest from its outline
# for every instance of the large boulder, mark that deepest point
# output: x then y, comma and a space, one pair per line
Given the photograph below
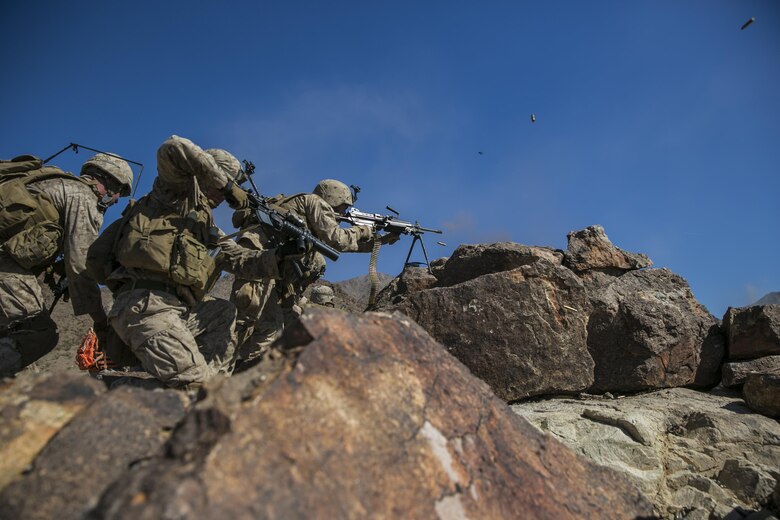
735, 372
33, 409
522, 331
762, 394
412, 279
471, 261
647, 331
591, 249
752, 332
695, 455
364, 416
115, 431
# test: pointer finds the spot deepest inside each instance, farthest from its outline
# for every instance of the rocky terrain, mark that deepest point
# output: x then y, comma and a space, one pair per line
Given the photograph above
512, 382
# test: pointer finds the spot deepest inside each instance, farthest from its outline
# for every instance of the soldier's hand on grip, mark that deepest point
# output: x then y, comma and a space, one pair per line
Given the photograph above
390, 238
235, 196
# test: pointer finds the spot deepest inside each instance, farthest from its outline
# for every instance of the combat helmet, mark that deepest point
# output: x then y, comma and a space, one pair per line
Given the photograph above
111, 165
334, 192
322, 295
228, 163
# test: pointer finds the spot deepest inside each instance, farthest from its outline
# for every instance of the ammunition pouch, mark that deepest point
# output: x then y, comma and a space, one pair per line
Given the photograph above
190, 263
35, 246
29, 221
154, 240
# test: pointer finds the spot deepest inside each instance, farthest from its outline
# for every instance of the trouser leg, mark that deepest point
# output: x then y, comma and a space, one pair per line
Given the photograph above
20, 293
212, 323
154, 325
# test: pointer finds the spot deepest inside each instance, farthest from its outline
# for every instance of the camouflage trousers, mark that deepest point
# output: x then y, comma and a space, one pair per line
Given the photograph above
27, 332
264, 310
20, 293
181, 346
259, 320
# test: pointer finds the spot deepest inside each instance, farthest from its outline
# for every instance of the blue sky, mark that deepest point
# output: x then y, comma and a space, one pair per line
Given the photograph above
658, 120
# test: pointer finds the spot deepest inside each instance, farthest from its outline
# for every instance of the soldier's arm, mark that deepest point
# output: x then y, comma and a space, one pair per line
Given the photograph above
179, 159
81, 224
249, 264
323, 224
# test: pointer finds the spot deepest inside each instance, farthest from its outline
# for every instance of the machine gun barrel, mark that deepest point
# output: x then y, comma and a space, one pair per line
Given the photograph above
388, 223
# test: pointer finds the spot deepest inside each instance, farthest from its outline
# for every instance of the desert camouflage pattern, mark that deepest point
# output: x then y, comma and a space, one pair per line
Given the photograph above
178, 339
265, 306
20, 293
116, 168
321, 221
181, 346
80, 218
179, 159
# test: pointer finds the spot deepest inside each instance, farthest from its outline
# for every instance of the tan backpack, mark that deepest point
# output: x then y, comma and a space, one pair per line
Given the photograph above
30, 232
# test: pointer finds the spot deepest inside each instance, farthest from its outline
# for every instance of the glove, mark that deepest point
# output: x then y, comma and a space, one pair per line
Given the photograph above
235, 196
366, 232
390, 238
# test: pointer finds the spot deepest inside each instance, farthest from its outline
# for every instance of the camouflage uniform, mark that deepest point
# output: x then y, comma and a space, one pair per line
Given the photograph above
322, 296
181, 339
29, 331
266, 306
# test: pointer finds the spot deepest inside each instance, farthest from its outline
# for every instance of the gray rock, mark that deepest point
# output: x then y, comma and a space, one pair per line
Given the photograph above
647, 331
747, 481
522, 331
412, 279
94, 448
33, 408
590, 248
674, 444
471, 261
762, 393
752, 332
735, 372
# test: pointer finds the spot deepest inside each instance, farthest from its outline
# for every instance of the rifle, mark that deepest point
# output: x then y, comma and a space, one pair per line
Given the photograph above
390, 224
283, 227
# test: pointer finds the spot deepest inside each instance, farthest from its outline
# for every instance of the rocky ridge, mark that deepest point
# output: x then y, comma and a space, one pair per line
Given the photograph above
376, 415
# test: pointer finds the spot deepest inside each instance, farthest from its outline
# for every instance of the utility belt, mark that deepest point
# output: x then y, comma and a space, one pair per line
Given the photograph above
152, 285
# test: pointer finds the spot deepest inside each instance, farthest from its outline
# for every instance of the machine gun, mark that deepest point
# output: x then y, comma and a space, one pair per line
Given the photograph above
283, 227
390, 224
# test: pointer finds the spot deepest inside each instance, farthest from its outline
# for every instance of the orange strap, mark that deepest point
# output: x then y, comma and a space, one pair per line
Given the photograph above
89, 356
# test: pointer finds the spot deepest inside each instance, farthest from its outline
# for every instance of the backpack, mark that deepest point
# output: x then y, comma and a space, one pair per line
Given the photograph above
30, 232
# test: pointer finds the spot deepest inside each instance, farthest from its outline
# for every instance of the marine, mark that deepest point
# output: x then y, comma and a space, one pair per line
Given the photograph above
164, 255
45, 214
266, 306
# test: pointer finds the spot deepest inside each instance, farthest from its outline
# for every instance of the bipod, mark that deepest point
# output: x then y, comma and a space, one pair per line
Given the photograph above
418, 237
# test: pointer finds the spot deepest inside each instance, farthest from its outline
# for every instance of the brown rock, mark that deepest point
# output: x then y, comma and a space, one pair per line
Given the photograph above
94, 448
471, 261
33, 408
590, 248
647, 331
735, 372
412, 279
762, 393
752, 332
369, 418
521, 331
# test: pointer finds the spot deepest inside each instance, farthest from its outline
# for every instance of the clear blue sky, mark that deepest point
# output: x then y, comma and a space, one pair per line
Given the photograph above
659, 120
